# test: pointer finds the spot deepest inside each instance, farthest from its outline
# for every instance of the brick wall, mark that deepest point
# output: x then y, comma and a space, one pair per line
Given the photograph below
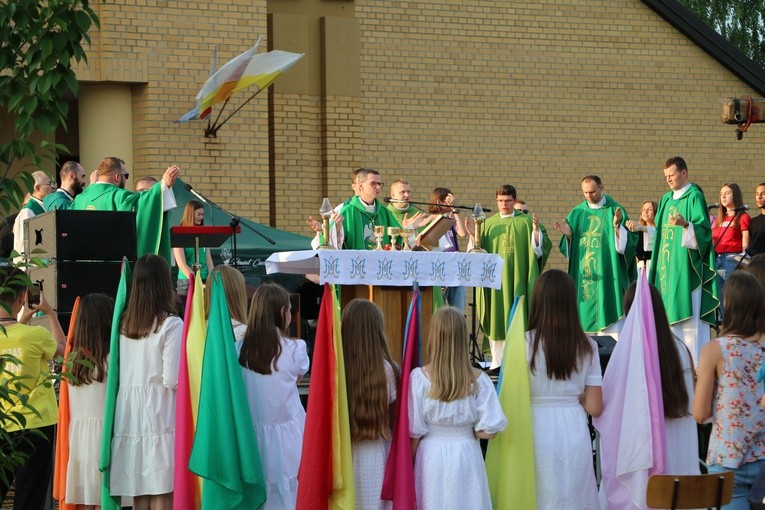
466, 94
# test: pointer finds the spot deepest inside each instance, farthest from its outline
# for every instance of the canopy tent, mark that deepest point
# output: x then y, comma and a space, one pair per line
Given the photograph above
251, 249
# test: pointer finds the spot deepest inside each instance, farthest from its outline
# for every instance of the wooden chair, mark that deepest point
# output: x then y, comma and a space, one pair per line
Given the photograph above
694, 491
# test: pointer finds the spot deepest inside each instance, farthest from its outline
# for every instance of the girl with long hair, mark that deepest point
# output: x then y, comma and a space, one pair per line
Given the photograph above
272, 365
646, 230
451, 406
676, 369
193, 215
144, 418
730, 234
236, 297
565, 383
87, 397
442, 200
727, 390
372, 380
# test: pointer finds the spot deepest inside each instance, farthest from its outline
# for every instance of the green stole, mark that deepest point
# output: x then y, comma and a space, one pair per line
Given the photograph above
57, 200
34, 206
601, 273
511, 239
677, 271
358, 224
399, 214
147, 205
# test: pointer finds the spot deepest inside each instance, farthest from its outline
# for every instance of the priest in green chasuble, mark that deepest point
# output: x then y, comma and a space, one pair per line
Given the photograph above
518, 239
108, 193
364, 212
601, 257
683, 259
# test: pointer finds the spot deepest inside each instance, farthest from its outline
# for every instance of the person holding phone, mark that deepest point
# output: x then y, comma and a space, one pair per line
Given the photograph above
26, 376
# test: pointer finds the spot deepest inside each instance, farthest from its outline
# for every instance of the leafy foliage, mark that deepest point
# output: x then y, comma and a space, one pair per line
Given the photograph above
742, 22
39, 42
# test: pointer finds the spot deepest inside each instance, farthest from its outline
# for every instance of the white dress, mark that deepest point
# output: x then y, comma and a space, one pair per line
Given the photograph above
279, 419
144, 418
369, 459
449, 470
86, 410
682, 442
563, 459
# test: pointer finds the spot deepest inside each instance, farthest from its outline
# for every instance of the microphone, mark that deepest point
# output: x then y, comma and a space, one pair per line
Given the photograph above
194, 192
741, 208
389, 200
713, 206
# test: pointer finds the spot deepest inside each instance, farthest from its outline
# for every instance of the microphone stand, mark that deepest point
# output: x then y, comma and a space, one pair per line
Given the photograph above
235, 222
465, 207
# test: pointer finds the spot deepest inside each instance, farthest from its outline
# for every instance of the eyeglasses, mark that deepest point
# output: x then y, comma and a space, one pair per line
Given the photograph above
52, 184
522, 211
126, 175
376, 184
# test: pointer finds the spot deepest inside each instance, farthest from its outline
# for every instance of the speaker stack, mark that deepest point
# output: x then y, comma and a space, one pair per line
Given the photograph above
83, 250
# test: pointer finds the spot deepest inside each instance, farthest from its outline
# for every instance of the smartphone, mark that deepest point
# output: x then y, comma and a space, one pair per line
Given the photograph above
33, 295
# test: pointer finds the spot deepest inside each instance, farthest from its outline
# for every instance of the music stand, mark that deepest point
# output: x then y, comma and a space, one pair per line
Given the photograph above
202, 235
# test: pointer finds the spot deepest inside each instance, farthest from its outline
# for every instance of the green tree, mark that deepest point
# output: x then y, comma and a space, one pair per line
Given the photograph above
742, 22
39, 42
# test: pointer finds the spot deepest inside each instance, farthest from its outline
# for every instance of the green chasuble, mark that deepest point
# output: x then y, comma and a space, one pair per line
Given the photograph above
677, 271
147, 205
601, 273
511, 239
59, 199
358, 224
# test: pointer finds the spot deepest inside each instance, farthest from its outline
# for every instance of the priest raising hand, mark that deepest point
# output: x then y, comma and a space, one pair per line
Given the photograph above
601, 257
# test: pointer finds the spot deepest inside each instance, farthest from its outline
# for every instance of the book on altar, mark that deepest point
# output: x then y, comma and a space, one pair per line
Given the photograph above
431, 234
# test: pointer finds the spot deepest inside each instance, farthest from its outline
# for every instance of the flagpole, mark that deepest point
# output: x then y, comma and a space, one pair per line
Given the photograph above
212, 131
218, 126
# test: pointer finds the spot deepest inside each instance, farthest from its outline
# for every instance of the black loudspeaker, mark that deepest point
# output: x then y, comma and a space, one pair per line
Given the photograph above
606, 344
81, 235
62, 282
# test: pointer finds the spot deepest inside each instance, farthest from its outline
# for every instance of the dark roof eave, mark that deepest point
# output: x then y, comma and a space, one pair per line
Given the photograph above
710, 41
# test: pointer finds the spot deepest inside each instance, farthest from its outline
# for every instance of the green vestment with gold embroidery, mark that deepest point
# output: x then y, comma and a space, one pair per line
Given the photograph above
511, 239
358, 224
677, 271
600, 272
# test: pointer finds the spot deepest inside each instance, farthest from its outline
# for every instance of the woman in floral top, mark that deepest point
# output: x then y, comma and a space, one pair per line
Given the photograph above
727, 390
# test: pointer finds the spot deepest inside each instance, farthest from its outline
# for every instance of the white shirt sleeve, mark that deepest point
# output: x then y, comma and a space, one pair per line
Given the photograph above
18, 229
620, 241
648, 238
168, 198
537, 247
689, 238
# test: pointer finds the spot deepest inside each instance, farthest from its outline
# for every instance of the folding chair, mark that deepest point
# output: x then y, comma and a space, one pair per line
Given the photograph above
691, 491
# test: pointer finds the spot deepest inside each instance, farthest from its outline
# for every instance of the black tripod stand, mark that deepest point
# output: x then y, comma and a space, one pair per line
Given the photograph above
476, 354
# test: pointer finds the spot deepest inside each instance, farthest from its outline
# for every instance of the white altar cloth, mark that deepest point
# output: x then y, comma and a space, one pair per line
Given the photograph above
392, 268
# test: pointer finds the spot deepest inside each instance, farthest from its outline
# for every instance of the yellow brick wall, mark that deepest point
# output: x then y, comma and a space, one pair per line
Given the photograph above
466, 94
469, 94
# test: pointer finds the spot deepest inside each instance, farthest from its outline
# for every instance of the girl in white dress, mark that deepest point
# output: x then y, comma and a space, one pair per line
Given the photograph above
451, 406
371, 377
144, 417
236, 297
565, 382
272, 365
87, 395
676, 368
